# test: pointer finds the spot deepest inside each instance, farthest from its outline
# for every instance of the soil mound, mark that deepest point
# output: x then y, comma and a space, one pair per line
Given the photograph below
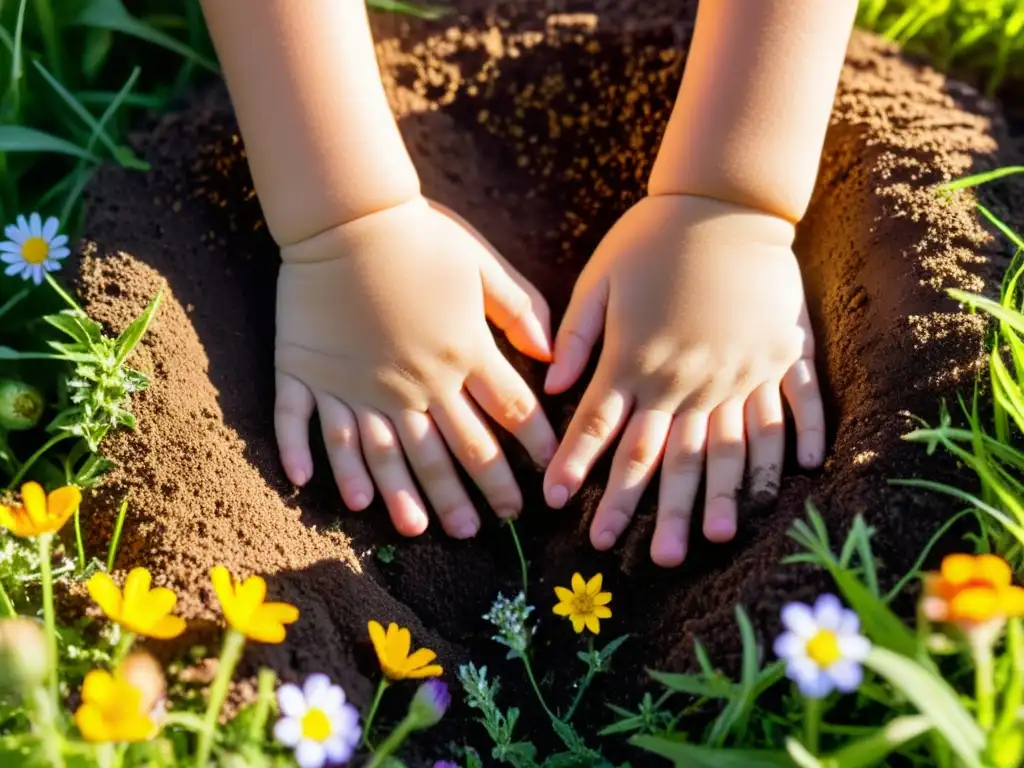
539, 128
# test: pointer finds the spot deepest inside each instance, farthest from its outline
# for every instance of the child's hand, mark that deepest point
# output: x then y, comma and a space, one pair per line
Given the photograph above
704, 319
381, 324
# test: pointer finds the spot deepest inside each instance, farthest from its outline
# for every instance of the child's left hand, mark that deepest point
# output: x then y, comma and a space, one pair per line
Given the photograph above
704, 320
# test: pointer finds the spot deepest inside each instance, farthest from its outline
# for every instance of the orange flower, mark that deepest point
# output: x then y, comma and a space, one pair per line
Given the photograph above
971, 590
38, 513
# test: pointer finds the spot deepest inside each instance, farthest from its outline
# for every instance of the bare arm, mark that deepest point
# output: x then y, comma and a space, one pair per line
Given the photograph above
750, 120
322, 142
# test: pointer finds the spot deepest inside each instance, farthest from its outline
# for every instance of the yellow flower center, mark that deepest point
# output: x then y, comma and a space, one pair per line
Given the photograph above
316, 726
583, 604
35, 250
823, 648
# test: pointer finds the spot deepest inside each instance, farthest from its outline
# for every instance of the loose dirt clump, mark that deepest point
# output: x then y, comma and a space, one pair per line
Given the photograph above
540, 128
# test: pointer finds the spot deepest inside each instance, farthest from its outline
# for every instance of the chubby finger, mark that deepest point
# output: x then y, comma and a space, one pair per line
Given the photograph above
595, 424
726, 459
501, 392
386, 462
293, 408
433, 467
766, 441
341, 438
478, 452
635, 461
681, 471
577, 334
800, 386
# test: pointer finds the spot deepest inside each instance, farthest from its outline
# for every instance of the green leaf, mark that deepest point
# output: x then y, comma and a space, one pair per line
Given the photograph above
934, 698
736, 713
880, 624
19, 138
868, 751
133, 333
686, 755
77, 325
606, 653
694, 685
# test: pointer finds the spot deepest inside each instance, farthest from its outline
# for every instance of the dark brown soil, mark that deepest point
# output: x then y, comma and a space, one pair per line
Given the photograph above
540, 129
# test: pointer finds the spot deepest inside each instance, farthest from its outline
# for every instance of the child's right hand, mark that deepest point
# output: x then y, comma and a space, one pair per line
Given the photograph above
381, 325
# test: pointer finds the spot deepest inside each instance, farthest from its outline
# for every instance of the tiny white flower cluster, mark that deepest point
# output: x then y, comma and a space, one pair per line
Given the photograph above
510, 617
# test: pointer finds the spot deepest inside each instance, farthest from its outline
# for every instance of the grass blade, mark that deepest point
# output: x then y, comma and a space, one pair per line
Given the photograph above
18, 138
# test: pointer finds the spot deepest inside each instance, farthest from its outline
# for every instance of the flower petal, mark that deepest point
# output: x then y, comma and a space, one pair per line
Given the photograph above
562, 609
34, 271
957, 568
61, 504
345, 723
789, 646
594, 585
11, 258
602, 598
564, 595
993, 569
15, 234
850, 623
379, 640
602, 612
59, 242
288, 731
433, 670
578, 622
98, 687
846, 674
264, 629
420, 658
797, 618
828, 612
33, 499
50, 227
51, 265
579, 586
817, 687
9, 247
13, 269
35, 225
156, 604
250, 594
136, 587
60, 253
291, 701
223, 586
282, 612
310, 754
92, 725
314, 688
105, 594
854, 647
399, 643
338, 750
974, 604
167, 628
799, 668
593, 624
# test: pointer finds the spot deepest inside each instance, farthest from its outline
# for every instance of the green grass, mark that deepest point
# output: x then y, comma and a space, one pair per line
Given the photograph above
981, 37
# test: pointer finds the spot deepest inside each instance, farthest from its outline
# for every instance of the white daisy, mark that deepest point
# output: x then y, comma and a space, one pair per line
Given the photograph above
822, 647
317, 723
33, 247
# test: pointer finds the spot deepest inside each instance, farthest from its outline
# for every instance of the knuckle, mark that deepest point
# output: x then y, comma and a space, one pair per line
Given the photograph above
641, 457
596, 425
476, 453
515, 409
772, 430
434, 472
343, 436
383, 450
503, 494
685, 461
674, 512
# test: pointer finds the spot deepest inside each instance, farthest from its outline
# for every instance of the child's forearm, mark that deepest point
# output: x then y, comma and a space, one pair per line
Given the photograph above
750, 120
321, 140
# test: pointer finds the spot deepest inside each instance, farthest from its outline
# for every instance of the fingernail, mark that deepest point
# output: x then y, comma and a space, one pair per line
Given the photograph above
507, 513
550, 378
604, 540
299, 477
465, 531
558, 496
360, 500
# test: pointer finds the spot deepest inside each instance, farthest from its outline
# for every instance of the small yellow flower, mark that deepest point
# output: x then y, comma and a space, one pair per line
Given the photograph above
585, 605
139, 609
112, 709
396, 662
38, 513
245, 610
971, 590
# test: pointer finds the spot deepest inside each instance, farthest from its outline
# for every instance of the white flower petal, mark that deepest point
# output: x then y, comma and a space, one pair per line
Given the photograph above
817, 687
802, 668
14, 234
338, 750
345, 724
7, 246
788, 646
23, 227
51, 265
315, 690
828, 612
59, 253
11, 258
58, 241
310, 754
35, 225
50, 227
854, 647
847, 675
850, 624
36, 271
799, 620
288, 731
291, 701
15, 268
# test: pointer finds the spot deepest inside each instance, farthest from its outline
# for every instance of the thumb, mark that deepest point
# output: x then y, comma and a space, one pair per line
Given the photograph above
517, 308
579, 331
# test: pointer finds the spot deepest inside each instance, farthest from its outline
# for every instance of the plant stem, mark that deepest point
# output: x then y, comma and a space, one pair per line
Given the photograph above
230, 655
45, 723
1013, 693
35, 457
583, 686
105, 755
391, 743
381, 687
536, 689
6, 606
519, 551
812, 724
123, 646
261, 711
984, 687
115, 542
48, 25
78, 538
49, 620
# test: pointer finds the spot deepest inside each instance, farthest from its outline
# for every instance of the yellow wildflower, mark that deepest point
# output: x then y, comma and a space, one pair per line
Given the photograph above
38, 513
245, 610
139, 609
585, 604
396, 662
113, 709
971, 590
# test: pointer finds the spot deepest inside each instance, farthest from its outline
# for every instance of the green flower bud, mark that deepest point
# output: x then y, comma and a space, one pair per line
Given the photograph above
21, 405
22, 655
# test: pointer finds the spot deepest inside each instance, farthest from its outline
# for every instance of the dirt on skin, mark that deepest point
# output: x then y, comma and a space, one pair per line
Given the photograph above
540, 128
